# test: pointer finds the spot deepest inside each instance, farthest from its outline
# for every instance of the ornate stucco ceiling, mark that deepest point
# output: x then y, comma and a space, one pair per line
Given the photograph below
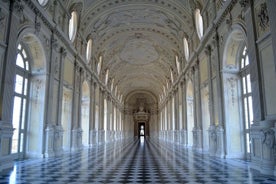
138, 39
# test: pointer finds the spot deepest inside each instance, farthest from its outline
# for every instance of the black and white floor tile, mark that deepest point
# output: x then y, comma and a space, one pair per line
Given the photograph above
134, 161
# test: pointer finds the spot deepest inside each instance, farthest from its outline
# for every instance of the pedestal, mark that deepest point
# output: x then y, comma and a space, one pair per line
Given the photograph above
195, 142
58, 139
49, 141
220, 142
93, 137
212, 140
199, 139
6, 132
263, 147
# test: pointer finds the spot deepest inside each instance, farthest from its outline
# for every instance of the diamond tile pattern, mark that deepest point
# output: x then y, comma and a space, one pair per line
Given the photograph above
134, 161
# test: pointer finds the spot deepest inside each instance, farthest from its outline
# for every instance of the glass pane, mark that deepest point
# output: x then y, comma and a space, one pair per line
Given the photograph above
244, 51
248, 83
250, 109
243, 85
18, 84
245, 113
16, 122
247, 143
21, 142
27, 65
24, 54
19, 47
23, 114
25, 86
19, 61
246, 60
242, 63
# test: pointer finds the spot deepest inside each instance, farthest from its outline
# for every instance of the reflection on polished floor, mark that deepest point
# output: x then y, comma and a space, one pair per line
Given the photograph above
134, 161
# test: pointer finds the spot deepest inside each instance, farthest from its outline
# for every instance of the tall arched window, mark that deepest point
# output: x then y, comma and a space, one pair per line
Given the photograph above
73, 24
246, 96
20, 100
199, 23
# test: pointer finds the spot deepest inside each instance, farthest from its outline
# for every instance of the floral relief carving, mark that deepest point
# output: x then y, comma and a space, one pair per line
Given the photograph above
268, 138
263, 18
37, 87
2, 24
232, 84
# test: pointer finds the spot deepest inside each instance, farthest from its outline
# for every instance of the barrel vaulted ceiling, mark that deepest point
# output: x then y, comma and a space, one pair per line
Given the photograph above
138, 40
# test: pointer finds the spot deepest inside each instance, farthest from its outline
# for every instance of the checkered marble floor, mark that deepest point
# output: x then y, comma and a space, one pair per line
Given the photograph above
134, 161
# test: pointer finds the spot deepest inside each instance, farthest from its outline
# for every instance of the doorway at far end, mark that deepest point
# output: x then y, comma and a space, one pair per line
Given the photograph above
141, 129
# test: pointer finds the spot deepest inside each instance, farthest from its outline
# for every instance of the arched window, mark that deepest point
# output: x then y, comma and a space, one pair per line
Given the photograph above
20, 100
246, 96
89, 50
42, 2
186, 49
199, 23
73, 24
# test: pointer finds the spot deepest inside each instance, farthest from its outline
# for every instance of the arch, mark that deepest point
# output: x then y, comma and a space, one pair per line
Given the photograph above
235, 41
190, 111
32, 137
234, 126
85, 113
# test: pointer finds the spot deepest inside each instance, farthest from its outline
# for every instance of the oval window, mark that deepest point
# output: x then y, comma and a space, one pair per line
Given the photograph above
73, 26
199, 23
88, 50
42, 2
186, 49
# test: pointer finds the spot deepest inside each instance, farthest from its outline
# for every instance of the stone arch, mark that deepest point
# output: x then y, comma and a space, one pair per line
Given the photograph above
142, 103
35, 109
234, 130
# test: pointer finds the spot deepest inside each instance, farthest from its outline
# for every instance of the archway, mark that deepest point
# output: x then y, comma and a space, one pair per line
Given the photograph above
29, 97
235, 117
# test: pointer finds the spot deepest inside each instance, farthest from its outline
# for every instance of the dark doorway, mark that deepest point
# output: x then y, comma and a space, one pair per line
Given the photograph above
141, 129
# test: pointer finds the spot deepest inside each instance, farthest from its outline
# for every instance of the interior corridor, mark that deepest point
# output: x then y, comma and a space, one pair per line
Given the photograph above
134, 161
